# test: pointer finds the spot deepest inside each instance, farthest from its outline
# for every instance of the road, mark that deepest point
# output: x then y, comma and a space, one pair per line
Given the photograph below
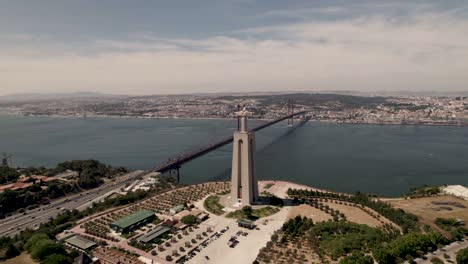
12, 225
450, 250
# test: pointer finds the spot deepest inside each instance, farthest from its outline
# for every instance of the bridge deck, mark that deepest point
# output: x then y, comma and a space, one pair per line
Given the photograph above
177, 161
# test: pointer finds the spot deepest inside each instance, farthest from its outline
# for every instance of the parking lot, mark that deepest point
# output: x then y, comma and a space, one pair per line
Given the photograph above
235, 247
199, 250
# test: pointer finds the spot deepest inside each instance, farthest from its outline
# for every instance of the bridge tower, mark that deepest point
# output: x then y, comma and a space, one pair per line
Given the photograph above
290, 111
244, 183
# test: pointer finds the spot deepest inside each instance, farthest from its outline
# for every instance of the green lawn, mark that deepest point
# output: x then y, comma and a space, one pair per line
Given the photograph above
212, 205
257, 213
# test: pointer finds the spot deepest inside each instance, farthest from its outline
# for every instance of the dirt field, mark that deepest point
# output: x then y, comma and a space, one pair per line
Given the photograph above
357, 215
429, 208
308, 211
280, 188
21, 259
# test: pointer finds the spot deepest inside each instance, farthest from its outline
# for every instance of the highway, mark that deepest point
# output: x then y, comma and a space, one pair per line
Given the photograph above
12, 225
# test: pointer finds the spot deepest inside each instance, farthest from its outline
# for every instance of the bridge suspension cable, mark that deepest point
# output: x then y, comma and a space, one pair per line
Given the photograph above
175, 162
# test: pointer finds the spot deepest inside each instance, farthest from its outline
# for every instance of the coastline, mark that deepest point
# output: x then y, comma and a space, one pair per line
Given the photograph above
9, 113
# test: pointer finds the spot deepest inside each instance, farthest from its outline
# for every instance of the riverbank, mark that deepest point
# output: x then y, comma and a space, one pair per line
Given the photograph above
350, 122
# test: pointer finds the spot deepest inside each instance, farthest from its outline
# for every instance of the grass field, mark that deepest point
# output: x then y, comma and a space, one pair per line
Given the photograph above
213, 206
430, 208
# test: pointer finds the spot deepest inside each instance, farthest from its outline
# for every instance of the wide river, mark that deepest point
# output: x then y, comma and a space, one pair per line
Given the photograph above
385, 160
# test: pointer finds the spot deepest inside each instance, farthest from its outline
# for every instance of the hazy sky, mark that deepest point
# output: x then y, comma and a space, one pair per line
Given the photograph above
184, 46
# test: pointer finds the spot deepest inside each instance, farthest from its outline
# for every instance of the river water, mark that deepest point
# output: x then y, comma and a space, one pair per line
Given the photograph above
385, 160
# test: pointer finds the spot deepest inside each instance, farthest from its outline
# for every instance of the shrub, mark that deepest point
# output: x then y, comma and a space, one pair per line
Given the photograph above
56, 259
436, 260
44, 248
189, 220
357, 258
462, 256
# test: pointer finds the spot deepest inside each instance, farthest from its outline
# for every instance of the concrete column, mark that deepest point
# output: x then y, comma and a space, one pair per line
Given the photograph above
244, 184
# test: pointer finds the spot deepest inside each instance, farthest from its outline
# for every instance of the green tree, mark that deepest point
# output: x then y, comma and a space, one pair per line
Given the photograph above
54, 191
189, 220
247, 210
44, 248
274, 237
56, 259
11, 251
33, 241
436, 260
462, 256
357, 258
8, 174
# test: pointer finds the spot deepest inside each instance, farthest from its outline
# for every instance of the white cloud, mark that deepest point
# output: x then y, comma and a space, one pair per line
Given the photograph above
426, 51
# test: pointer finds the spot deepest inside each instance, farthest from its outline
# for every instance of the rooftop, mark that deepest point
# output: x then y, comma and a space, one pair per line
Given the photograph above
178, 208
80, 242
151, 235
246, 222
133, 218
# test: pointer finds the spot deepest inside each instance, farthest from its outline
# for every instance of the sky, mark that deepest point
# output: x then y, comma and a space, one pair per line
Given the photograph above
182, 46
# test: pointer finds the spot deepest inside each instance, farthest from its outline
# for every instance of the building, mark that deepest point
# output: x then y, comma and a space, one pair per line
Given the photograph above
83, 259
110, 256
15, 186
246, 224
133, 221
176, 209
153, 234
80, 243
244, 183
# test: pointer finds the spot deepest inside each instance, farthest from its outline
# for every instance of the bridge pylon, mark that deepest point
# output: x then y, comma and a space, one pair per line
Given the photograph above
176, 170
290, 112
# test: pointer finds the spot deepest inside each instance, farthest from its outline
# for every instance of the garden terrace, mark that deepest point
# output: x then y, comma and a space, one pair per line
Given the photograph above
406, 221
99, 226
163, 203
368, 216
294, 243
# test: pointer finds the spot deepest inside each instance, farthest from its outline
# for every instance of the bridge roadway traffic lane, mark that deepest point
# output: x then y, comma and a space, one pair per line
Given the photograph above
12, 225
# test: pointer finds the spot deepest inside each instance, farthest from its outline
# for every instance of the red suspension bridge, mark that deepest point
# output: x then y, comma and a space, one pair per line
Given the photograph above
175, 163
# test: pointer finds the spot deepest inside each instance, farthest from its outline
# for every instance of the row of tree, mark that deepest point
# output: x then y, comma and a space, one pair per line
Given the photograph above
407, 247
296, 226
355, 243
90, 172
405, 220
8, 174
339, 239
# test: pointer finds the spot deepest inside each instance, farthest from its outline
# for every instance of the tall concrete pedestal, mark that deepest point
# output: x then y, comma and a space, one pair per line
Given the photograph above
244, 183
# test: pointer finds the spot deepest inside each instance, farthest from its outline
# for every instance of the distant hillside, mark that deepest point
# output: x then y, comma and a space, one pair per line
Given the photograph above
34, 97
316, 99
